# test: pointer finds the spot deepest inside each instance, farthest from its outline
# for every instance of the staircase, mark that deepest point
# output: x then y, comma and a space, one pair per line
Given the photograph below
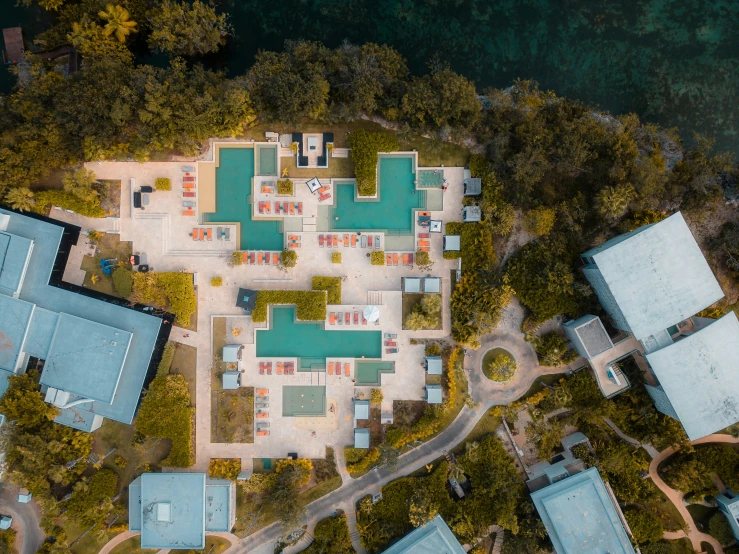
374, 298
305, 541
115, 226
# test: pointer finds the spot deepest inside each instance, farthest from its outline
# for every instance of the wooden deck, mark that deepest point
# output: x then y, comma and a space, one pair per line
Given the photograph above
13, 44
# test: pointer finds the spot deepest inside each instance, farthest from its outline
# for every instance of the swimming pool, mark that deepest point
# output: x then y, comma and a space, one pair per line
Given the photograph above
303, 400
369, 372
392, 212
233, 201
267, 160
431, 178
311, 342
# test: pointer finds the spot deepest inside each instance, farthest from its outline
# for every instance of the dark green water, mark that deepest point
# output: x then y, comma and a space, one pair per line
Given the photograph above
673, 62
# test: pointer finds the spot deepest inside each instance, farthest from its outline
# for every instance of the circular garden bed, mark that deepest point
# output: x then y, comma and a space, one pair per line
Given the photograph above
499, 365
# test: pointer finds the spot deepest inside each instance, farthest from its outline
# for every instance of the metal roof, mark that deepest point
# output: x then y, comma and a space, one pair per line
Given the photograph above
471, 213
433, 394
230, 353
433, 365
580, 516
411, 284
231, 380
451, 242
16, 316
657, 275
433, 537
361, 438
700, 376
15, 252
361, 409
589, 336
431, 284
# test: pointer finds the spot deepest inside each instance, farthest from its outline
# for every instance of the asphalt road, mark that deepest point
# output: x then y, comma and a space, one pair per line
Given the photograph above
29, 536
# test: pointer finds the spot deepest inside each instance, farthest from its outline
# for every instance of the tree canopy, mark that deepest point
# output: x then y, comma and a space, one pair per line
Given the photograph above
187, 28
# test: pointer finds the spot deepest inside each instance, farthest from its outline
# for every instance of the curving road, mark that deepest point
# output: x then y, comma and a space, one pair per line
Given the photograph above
29, 536
676, 497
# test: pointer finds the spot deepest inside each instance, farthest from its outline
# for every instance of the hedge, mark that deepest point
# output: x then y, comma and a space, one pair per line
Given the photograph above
224, 468
363, 465
285, 186
364, 148
123, 281
332, 286
452, 254
310, 305
377, 257
67, 201
163, 183
216, 281
167, 357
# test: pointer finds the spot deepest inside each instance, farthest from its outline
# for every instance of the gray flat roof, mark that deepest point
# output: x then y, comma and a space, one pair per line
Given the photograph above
185, 492
431, 284
657, 274
40, 333
16, 316
580, 517
361, 409
86, 358
361, 438
433, 537
433, 365
218, 505
433, 394
36, 290
411, 284
700, 376
14, 253
451, 242
592, 335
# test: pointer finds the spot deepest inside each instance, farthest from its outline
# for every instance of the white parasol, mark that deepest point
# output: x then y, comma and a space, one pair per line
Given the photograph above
371, 313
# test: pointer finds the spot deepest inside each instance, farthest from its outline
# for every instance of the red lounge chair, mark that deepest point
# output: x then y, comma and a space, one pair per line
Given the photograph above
348, 318
266, 258
262, 415
423, 235
188, 179
275, 258
320, 241
284, 207
263, 433
356, 318
347, 370
354, 241
261, 368
291, 367
369, 241
410, 259
189, 194
364, 320
391, 343
300, 208
260, 207
269, 368
323, 197
331, 368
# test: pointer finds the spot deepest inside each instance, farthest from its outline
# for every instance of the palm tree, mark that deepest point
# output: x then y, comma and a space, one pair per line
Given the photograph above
118, 22
470, 450
20, 198
612, 202
456, 472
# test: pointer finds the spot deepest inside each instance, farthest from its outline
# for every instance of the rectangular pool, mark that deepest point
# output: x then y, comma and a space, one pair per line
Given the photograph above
430, 178
234, 177
311, 342
369, 372
303, 400
394, 209
267, 160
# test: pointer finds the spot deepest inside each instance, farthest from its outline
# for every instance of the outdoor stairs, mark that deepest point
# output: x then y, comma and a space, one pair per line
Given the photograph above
115, 225
305, 541
374, 298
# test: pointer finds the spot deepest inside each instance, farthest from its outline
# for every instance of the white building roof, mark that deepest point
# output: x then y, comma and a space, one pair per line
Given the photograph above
657, 275
700, 376
411, 284
431, 284
452, 242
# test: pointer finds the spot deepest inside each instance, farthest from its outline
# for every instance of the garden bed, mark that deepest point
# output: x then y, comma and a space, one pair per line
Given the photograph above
110, 248
232, 415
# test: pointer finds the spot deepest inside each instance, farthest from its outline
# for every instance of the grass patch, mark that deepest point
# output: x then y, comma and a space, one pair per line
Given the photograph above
498, 365
131, 546
110, 247
321, 489
433, 153
701, 515
542, 382
185, 363
232, 415
337, 167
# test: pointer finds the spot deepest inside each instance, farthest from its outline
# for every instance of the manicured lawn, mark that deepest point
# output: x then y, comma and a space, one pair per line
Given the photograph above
492, 355
667, 513
337, 167
434, 154
89, 544
131, 546
110, 248
540, 383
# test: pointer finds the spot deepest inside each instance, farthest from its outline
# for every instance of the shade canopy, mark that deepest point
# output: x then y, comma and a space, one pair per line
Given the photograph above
246, 299
313, 184
371, 313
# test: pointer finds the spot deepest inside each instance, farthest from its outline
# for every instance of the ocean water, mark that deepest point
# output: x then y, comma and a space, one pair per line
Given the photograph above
673, 62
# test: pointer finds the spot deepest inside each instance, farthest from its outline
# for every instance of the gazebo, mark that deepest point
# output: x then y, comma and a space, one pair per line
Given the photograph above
246, 299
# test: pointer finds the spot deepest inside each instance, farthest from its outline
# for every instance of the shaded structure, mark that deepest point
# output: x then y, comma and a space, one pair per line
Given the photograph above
433, 536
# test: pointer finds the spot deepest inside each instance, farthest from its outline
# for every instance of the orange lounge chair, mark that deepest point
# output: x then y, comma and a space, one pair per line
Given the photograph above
202, 234
262, 392
293, 245
209, 233
424, 248
354, 241
332, 318
389, 259
188, 186
336, 241
364, 319
195, 233
347, 370
292, 208
263, 433
346, 240
279, 368
300, 208
260, 258
395, 259
275, 258
267, 207
263, 415
348, 318
245, 257
331, 368
188, 212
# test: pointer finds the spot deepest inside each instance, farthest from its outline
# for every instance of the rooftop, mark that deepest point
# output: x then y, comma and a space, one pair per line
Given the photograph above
700, 376
431, 284
657, 275
580, 516
361, 438
433, 394
13, 325
361, 409
452, 242
433, 365
591, 335
14, 254
411, 284
433, 537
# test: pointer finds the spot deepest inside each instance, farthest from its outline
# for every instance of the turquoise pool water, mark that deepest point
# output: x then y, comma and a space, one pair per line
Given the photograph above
233, 201
430, 178
267, 160
394, 210
368, 373
303, 401
310, 342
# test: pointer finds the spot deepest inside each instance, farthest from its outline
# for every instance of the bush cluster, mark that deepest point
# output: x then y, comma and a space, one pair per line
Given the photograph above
216, 281
167, 356
67, 201
332, 286
172, 290
335, 257
224, 468
289, 258
362, 460
310, 305
554, 350
452, 254
123, 281
377, 257
426, 314
163, 183
285, 186
364, 148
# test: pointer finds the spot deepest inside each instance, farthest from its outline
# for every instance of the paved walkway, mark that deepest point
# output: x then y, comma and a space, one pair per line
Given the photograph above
676, 497
118, 539
651, 450
29, 535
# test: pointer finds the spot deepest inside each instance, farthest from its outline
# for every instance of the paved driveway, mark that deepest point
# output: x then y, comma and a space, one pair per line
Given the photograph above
29, 536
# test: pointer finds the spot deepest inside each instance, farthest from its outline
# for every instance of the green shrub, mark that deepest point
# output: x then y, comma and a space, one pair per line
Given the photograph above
67, 201
377, 257
369, 460
475, 242
120, 462
502, 368
332, 286
84, 502
422, 259
331, 536
335, 257
167, 357
216, 281
376, 396
289, 258
426, 314
166, 413
553, 350
433, 350
163, 183
452, 254
645, 526
539, 221
172, 290
353, 455
364, 148
719, 529
310, 305
224, 468
237, 258
285, 186
123, 281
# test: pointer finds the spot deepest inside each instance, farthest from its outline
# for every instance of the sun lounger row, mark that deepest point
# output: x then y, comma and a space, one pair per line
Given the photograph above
334, 368
293, 241
363, 241
283, 368
260, 258
423, 245
390, 342
395, 258
281, 208
345, 318
202, 233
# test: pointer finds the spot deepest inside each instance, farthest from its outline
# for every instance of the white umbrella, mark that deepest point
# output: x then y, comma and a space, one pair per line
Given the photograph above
371, 313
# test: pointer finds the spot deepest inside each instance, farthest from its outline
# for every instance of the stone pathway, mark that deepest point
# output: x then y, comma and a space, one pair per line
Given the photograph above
651, 450
118, 539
